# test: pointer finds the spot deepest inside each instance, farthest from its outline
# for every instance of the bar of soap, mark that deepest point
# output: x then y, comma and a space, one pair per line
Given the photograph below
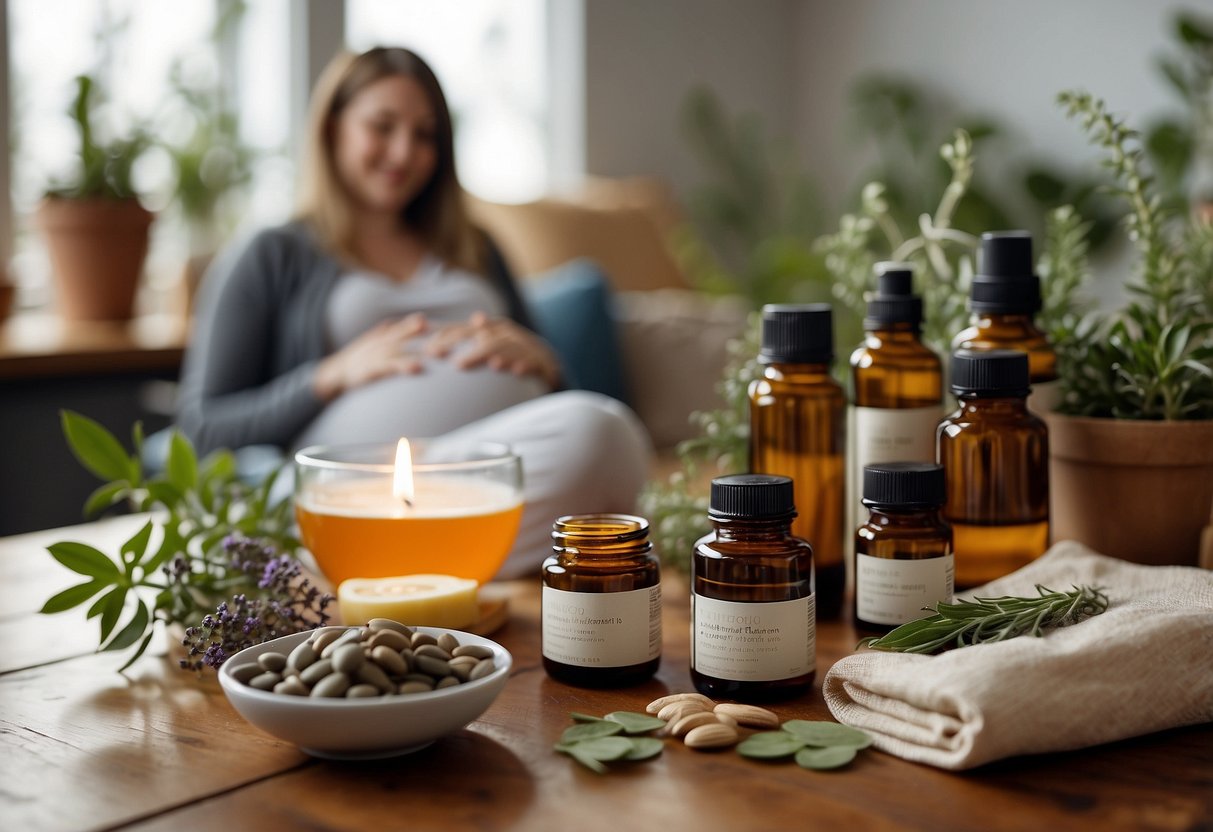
415, 600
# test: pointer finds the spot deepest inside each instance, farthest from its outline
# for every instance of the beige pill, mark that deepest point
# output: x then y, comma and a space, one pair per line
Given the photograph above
416, 687
291, 687
389, 659
423, 638
389, 638
315, 672
389, 624
362, 692
446, 682
372, 674
244, 673
331, 686
481, 670
475, 650
448, 642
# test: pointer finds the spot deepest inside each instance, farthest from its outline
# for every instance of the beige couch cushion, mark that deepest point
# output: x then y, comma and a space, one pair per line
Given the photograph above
623, 229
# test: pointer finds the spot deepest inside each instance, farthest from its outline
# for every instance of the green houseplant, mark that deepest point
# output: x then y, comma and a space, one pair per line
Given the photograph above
1132, 443
95, 227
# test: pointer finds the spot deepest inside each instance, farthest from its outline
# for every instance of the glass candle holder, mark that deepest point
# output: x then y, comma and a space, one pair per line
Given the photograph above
460, 518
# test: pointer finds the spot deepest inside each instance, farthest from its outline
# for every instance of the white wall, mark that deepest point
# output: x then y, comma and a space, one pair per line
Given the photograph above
644, 56
1007, 59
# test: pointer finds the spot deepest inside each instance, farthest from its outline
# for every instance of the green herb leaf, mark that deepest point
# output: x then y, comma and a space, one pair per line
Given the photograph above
182, 467
96, 448
644, 748
587, 761
827, 734
604, 748
580, 717
134, 548
823, 759
591, 730
133, 630
104, 497
770, 745
992, 619
82, 558
111, 608
634, 723
72, 597
142, 648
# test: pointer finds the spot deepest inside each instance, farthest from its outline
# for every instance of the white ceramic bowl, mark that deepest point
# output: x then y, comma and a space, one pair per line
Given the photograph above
364, 728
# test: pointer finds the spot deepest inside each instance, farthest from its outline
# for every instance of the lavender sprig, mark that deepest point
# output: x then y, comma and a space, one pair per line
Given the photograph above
285, 602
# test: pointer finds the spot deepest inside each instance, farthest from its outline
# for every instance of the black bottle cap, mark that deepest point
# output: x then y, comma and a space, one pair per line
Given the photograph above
1005, 281
904, 484
797, 333
990, 373
894, 301
753, 497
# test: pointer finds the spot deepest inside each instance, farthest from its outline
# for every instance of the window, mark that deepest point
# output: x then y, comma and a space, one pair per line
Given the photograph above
491, 58
148, 57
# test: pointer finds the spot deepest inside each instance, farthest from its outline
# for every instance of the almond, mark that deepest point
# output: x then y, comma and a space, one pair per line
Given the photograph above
657, 704
725, 719
677, 710
711, 736
682, 726
749, 715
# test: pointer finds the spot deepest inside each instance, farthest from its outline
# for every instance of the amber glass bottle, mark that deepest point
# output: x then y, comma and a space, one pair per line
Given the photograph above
903, 552
995, 455
601, 602
753, 627
897, 382
798, 430
1004, 300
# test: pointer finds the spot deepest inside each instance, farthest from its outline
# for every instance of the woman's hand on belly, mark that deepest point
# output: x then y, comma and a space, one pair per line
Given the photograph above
497, 343
388, 349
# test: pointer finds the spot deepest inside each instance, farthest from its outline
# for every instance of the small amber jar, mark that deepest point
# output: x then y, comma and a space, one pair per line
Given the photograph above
601, 602
1004, 299
753, 623
903, 552
995, 455
798, 430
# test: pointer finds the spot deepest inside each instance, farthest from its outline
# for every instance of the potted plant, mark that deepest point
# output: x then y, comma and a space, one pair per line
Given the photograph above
1132, 443
95, 228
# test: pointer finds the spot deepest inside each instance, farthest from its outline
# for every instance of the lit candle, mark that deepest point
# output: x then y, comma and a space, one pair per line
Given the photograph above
367, 520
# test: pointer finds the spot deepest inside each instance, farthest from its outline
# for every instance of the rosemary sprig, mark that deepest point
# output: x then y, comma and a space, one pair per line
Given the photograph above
992, 619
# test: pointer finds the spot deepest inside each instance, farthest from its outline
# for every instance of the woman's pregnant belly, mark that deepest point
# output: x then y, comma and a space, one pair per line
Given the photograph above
439, 399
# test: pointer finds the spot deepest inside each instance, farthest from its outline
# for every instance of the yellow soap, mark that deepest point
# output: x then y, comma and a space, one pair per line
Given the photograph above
415, 600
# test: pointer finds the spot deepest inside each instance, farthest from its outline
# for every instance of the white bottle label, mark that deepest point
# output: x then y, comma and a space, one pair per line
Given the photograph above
753, 642
886, 434
602, 629
891, 591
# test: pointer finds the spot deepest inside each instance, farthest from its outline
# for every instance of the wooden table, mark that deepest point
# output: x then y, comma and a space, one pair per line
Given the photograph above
86, 748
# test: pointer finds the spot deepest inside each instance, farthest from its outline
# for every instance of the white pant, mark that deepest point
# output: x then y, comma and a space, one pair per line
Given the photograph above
581, 453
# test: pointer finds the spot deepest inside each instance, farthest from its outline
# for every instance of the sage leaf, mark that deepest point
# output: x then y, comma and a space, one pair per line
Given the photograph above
72, 597
591, 730
634, 723
129, 634
823, 759
580, 717
770, 745
827, 734
587, 761
644, 748
604, 748
82, 558
142, 647
182, 467
96, 448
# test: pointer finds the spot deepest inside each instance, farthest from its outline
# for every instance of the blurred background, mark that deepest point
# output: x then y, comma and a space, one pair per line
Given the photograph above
740, 134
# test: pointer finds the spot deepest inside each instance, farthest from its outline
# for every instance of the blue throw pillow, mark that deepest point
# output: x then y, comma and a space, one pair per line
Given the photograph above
571, 307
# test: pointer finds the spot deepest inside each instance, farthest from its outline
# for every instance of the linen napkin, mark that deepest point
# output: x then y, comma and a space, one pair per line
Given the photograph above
1144, 665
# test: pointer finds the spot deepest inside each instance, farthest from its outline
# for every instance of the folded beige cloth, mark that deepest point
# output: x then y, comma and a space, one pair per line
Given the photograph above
1144, 665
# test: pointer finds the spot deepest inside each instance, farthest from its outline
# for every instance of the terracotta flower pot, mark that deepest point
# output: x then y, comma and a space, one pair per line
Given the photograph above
97, 248
1132, 489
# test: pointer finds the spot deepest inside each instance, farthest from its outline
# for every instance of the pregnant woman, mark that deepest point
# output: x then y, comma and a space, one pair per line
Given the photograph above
380, 311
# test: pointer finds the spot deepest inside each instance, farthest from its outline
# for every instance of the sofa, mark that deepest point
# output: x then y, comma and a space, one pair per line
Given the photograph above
600, 263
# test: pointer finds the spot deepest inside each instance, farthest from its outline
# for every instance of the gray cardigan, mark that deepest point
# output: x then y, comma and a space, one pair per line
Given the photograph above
259, 333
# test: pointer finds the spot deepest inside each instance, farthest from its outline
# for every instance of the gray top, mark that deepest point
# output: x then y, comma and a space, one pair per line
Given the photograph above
259, 332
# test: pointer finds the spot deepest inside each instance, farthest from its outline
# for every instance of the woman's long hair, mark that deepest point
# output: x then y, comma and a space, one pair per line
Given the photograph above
437, 212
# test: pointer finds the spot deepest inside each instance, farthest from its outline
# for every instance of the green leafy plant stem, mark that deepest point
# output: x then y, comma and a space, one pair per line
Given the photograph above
985, 620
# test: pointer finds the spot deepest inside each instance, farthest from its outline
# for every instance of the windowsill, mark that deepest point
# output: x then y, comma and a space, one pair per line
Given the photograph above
41, 345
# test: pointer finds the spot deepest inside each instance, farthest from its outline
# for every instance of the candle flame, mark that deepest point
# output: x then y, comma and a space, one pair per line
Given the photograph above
402, 476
